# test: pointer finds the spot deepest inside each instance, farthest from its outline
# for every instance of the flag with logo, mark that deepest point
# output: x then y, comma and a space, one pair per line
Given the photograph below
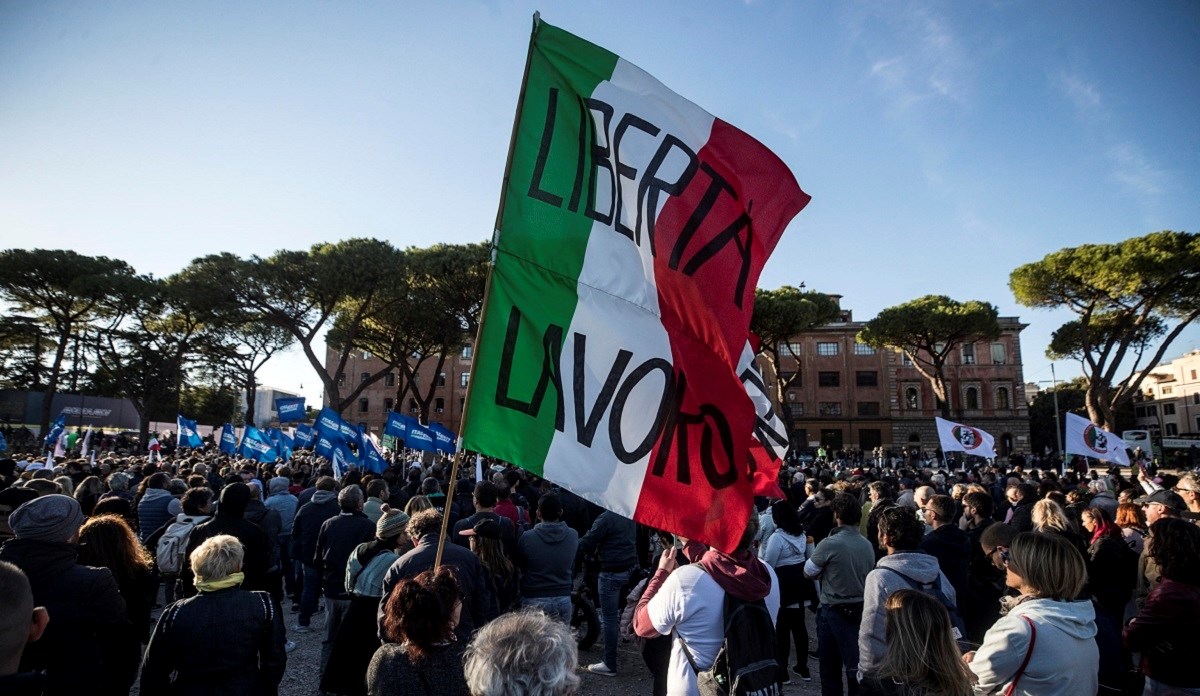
372, 458
956, 437
342, 460
634, 228
283, 442
443, 438
56, 430
303, 436
420, 437
290, 409
188, 436
330, 423
228, 443
397, 425
1086, 438
257, 445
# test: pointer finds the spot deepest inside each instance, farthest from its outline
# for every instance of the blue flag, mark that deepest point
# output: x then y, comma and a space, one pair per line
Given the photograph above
342, 459
257, 445
443, 439
228, 439
420, 438
325, 445
304, 435
188, 437
330, 423
397, 425
283, 443
371, 458
290, 409
56, 430
3, 443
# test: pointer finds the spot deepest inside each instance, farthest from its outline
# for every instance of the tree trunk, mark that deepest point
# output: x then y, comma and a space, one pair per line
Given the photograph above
1100, 410
251, 393
52, 382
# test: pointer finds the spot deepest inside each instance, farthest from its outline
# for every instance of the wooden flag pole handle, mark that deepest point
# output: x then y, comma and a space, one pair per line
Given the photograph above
437, 559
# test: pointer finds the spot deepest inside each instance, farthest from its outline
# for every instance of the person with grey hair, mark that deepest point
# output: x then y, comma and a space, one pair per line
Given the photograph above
223, 640
338, 538
522, 654
84, 603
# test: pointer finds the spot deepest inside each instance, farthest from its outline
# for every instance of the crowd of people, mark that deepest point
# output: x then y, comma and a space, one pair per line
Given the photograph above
989, 580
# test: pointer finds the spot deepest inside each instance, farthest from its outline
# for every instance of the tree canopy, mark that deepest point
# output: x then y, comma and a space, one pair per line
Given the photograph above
928, 330
1128, 297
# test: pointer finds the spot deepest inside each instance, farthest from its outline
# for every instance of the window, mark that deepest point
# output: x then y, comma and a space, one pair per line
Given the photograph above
341, 379
1196, 398
388, 404
439, 405
441, 379
1168, 390
364, 377
1172, 430
829, 379
999, 354
364, 405
1152, 411
1168, 409
868, 408
972, 400
866, 378
389, 380
792, 349
829, 408
863, 349
366, 355
467, 352
968, 354
1002, 400
797, 409
905, 359
412, 405
797, 382
1193, 375
1139, 412
870, 438
912, 398
827, 348
464, 378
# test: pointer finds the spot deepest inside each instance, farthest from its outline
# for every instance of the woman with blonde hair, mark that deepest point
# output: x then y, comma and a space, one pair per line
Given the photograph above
1046, 642
1049, 517
921, 657
88, 493
416, 504
107, 541
224, 640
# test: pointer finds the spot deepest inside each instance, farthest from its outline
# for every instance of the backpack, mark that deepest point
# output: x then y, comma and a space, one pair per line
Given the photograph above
523, 523
172, 547
746, 664
934, 589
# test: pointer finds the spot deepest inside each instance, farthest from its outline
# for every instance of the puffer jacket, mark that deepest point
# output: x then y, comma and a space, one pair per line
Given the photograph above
1065, 659
229, 641
152, 512
89, 631
880, 584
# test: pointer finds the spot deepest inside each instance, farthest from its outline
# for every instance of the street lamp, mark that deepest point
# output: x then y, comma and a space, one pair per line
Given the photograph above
1057, 424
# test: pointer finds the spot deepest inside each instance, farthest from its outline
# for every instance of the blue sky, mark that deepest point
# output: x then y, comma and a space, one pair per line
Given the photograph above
944, 143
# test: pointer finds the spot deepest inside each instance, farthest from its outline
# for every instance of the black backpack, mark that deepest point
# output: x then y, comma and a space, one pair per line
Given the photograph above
934, 589
746, 664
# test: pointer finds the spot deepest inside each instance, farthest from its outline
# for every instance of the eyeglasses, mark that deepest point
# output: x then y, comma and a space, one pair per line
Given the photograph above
1177, 489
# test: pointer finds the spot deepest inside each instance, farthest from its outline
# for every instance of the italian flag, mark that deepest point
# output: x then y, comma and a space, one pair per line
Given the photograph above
613, 357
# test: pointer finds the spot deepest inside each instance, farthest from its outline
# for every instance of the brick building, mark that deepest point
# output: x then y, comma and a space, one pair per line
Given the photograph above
371, 406
850, 395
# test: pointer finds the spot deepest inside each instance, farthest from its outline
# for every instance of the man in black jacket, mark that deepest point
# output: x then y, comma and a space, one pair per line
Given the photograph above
89, 632
478, 599
947, 543
337, 539
484, 498
305, 530
230, 520
614, 539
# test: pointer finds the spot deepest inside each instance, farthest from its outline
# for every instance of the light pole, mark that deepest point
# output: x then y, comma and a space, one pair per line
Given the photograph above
1057, 424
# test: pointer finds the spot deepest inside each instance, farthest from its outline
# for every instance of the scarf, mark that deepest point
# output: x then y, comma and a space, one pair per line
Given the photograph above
233, 580
1103, 530
740, 574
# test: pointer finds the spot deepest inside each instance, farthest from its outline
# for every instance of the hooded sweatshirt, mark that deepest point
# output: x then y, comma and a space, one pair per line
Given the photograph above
1064, 660
546, 556
880, 584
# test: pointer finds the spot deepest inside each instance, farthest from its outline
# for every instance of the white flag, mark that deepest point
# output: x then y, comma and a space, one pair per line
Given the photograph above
956, 437
478, 468
87, 441
60, 449
1086, 438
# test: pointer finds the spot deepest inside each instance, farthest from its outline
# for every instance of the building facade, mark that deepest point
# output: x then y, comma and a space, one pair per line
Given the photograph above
1169, 403
851, 396
371, 406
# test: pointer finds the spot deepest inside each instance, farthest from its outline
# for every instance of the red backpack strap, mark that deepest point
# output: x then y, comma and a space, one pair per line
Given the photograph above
1012, 687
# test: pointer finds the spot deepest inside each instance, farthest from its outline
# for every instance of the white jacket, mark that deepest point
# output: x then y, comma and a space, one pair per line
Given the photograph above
1065, 659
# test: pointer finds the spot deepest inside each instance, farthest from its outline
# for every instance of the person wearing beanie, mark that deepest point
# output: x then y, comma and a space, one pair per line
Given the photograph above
358, 640
283, 502
84, 604
230, 519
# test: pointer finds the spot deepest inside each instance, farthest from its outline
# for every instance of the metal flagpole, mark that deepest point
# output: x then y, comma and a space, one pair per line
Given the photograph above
487, 290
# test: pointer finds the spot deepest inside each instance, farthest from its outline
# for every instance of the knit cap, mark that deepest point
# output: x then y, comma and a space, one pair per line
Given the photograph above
52, 517
391, 522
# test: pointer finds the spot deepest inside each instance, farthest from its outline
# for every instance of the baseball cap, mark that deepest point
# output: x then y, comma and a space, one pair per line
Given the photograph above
1167, 498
